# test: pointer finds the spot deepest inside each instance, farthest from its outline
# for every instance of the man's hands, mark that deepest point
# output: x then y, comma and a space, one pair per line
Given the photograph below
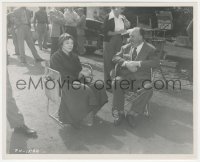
111, 33
121, 31
132, 66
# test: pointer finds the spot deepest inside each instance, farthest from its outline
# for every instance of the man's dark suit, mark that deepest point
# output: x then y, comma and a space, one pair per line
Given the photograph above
149, 60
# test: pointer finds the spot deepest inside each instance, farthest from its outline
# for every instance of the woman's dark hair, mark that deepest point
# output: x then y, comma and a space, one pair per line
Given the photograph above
62, 38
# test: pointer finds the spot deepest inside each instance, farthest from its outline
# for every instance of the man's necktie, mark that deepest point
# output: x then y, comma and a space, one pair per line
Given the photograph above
134, 54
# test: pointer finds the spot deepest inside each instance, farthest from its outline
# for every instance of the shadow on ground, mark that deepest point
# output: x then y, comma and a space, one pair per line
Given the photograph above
33, 68
100, 134
170, 124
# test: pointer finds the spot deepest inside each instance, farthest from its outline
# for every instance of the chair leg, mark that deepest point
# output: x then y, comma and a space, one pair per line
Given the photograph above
146, 111
57, 120
48, 106
52, 116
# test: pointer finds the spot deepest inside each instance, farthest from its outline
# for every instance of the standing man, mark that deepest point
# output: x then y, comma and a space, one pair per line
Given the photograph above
71, 21
42, 26
114, 25
23, 24
57, 21
189, 30
81, 26
15, 118
12, 29
135, 61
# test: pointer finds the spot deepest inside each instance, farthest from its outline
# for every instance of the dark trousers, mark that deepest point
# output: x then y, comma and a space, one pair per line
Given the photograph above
24, 34
15, 118
14, 37
109, 50
42, 35
54, 45
120, 86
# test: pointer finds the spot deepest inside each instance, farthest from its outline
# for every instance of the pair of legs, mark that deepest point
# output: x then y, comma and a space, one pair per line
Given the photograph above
109, 50
15, 118
24, 34
54, 44
119, 86
15, 42
42, 35
81, 44
76, 104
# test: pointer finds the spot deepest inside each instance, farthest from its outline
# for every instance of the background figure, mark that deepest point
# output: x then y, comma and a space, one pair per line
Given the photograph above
114, 25
81, 26
57, 21
15, 118
190, 32
42, 27
71, 21
12, 30
23, 23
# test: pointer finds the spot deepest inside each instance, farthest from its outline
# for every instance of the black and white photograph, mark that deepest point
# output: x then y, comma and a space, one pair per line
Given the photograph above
99, 79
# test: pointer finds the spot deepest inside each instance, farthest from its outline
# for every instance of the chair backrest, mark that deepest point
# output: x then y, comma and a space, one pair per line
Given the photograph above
87, 70
52, 82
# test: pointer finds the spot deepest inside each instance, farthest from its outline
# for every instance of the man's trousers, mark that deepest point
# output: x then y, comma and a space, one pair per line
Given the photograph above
42, 35
15, 118
120, 86
24, 34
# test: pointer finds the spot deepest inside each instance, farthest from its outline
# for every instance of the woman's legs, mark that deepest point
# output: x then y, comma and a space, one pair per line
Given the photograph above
78, 105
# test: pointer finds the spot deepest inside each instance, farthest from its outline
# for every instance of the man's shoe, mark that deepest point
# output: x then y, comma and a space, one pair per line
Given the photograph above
118, 121
131, 120
39, 60
26, 131
118, 117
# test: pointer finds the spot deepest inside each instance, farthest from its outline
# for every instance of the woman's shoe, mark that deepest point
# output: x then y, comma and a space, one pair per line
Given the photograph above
132, 119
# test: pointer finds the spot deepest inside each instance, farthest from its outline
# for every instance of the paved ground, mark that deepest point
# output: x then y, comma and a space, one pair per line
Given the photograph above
168, 131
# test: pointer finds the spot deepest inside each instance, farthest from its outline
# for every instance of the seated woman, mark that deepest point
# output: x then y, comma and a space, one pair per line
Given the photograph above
80, 101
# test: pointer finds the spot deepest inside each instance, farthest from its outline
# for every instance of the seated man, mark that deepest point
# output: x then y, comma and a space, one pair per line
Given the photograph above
135, 61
